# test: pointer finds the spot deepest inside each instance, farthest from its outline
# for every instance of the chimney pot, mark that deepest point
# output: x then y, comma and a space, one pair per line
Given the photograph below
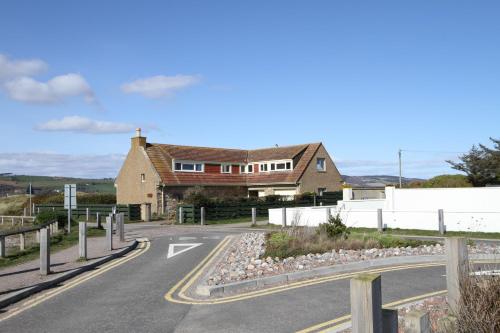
138, 132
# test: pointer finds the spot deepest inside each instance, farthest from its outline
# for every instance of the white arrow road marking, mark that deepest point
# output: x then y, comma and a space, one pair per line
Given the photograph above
188, 246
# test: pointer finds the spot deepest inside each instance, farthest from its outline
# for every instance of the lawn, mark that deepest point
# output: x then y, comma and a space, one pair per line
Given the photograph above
416, 232
57, 243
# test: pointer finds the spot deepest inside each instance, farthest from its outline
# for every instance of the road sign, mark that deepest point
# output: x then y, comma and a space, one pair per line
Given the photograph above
70, 196
172, 251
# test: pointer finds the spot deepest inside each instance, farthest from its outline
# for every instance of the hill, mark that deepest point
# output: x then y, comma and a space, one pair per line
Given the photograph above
18, 184
376, 181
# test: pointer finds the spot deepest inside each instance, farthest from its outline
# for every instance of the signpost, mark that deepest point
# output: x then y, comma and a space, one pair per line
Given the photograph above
69, 201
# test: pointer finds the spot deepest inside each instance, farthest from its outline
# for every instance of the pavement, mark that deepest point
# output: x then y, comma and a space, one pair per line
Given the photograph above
129, 296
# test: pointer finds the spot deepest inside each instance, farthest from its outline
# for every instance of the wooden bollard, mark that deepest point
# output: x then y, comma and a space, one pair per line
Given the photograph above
109, 233
22, 241
82, 240
254, 216
44, 251
202, 215
380, 221
87, 213
366, 303
120, 226
2, 247
283, 217
441, 226
457, 263
418, 322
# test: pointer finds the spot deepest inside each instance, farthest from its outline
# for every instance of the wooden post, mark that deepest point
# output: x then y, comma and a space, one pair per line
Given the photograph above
37, 236
82, 240
181, 216
202, 215
254, 216
22, 220
120, 226
24, 211
441, 221
380, 221
418, 322
12, 220
2, 220
2, 247
389, 320
283, 217
98, 220
366, 303
87, 213
44, 251
22, 241
456, 268
109, 233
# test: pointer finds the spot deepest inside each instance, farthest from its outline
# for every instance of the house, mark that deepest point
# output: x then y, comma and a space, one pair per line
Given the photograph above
159, 173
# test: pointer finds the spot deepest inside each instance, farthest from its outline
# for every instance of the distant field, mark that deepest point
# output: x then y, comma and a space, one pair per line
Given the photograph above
12, 205
44, 183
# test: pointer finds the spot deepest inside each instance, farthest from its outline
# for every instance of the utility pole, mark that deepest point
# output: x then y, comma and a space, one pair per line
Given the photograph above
400, 181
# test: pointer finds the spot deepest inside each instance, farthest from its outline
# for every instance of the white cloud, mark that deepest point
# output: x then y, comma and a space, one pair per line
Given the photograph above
160, 86
15, 68
79, 124
26, 89
51, 164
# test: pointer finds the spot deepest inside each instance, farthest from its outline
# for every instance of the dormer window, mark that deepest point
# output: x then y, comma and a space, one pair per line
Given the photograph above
273, 166
188, 166
225, 168
246, 168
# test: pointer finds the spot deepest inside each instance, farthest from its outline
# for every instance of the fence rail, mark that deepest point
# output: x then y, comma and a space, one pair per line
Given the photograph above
225, 211
132, 212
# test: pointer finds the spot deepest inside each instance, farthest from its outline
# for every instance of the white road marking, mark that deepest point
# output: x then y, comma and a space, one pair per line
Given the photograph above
186, 238
188, 246
211, 237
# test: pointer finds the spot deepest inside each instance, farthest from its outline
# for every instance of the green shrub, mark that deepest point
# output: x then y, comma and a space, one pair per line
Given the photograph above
334, 228
49, 216
278, 244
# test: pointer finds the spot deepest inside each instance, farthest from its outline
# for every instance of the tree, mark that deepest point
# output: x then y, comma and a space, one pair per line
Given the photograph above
481, 164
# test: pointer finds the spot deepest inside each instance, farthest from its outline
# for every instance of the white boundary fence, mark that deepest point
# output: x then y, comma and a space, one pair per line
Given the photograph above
464, 209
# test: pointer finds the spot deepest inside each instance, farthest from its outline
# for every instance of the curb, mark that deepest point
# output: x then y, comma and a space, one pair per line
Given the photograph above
342, 268
26, 292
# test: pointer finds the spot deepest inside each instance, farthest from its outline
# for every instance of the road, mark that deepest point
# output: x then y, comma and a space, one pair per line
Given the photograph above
130, 297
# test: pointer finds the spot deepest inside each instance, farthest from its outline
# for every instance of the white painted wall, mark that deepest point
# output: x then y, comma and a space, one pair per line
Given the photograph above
465, 209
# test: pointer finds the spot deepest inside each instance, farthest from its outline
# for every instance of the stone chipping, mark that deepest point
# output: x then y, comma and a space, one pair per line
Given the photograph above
245, 258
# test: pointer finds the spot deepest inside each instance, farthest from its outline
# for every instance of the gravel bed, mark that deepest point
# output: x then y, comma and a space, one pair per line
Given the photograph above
245, 258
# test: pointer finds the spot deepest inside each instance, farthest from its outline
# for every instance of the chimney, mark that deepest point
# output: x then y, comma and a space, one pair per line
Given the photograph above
138, 140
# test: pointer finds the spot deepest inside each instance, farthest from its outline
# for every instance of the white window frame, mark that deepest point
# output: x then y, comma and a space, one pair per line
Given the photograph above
226, 165
194, 163
270, 164
143, 177
324, 164
245, 168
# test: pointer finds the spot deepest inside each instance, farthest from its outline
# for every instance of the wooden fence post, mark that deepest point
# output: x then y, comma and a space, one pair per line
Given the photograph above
380, 221
202, 215
82, 240
44, 251
418, 322
283, 217
2, 247
87, 213
366, 303
456, 268
441, 221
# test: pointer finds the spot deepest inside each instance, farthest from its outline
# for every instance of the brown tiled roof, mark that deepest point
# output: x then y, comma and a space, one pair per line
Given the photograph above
161, 155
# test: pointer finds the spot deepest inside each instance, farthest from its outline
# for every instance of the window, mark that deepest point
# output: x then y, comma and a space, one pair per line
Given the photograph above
263, 167
246, 168
273, 166
143, 177
320, 164
225, 168
188, 166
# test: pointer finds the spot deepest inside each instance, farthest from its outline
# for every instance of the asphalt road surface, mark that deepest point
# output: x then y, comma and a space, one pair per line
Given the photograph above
130, 297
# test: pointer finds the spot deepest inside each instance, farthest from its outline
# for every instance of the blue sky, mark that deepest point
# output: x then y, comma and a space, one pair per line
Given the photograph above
363, 77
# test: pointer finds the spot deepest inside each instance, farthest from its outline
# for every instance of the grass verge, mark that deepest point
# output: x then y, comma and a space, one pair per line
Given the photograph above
57, 243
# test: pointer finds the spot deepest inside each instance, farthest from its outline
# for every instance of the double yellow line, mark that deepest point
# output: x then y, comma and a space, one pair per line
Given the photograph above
143, 246
178, 293
341, 321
